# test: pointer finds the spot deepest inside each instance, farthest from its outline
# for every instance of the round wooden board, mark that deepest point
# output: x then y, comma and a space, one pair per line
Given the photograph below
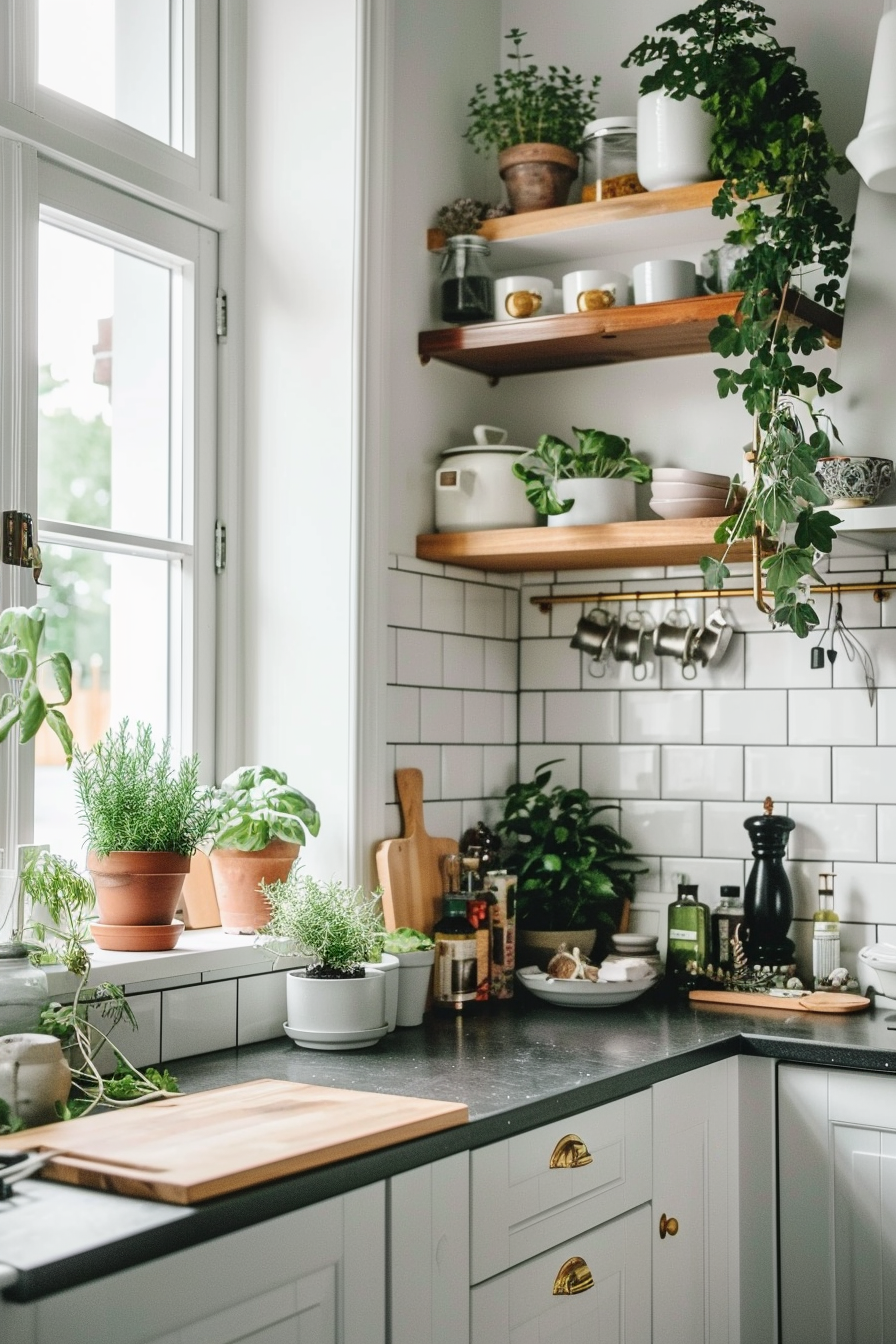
822, 1002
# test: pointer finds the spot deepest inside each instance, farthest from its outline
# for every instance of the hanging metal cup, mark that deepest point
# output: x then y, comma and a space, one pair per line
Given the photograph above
711, 640
632, 641
670, 639
595, 634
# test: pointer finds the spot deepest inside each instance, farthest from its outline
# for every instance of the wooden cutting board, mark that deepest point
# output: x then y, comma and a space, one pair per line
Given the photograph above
186, 1149
819, 1002
408, 869
199, 904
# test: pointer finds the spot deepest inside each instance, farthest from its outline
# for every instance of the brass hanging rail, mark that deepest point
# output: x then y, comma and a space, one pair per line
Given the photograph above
881, 593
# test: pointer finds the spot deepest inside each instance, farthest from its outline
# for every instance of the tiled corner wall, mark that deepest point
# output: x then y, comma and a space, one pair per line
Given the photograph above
452, 694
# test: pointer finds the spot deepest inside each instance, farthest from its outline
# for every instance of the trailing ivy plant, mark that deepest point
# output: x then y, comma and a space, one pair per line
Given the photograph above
768, 139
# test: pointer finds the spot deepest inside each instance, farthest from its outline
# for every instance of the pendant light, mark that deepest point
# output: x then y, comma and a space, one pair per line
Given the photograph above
873, 152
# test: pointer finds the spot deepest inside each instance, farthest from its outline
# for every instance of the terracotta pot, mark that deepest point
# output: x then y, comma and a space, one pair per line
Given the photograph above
137, 887
238, 873
537, 177
535, 947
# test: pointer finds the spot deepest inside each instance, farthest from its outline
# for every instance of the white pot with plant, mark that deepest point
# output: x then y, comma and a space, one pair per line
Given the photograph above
338, 1002
584, 485
388, 964
415, 954
258, 826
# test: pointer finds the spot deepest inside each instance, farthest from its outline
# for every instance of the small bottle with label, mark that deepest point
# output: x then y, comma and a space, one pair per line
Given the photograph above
727, 921
454, 982
688, 936
825, 933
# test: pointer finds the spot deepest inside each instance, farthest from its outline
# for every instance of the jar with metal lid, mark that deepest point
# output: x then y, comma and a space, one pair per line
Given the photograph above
465, 280
23, 990
611, 159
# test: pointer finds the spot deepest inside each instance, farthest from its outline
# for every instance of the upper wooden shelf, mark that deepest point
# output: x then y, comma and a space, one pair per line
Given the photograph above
610, 546
611, 336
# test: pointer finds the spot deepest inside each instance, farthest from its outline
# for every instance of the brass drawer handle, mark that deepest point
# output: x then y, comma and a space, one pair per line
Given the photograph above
573, 1277
570, 1152
668, 1227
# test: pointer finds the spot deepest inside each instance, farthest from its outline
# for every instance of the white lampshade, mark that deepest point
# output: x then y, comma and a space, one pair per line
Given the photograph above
873, 152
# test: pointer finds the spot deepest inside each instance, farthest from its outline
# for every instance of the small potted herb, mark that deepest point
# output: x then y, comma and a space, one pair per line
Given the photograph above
593, 482
575, 872
536, 123
143, 819
416, 953
259, 823
337, 1002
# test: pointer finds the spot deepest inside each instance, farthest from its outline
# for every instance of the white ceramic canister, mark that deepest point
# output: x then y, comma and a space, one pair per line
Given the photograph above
592, 291
674, 141
33, 1076
414, 979
521, 296
336, 1006
476, 489
597, 500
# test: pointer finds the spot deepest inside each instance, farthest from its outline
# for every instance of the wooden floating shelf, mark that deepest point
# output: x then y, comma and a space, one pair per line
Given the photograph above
612, 336
610, 546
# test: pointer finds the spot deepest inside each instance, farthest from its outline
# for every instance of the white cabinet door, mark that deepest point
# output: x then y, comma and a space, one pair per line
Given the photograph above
837, 1182
695, 1284
429, 1253
523, 1305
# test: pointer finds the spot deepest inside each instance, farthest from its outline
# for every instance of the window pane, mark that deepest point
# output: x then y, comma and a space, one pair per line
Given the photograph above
120, 57
111, 615
105, 414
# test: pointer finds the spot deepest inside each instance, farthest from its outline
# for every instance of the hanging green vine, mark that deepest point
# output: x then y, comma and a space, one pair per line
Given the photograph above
768, 140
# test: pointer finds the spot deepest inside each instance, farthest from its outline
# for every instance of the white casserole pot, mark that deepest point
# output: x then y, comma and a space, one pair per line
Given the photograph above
476, 489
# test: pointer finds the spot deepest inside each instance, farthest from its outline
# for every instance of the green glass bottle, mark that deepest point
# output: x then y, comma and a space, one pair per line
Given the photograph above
688, 937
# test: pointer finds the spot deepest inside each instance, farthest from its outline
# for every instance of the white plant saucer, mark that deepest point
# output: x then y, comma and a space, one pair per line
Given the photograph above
583, 993
335, 1040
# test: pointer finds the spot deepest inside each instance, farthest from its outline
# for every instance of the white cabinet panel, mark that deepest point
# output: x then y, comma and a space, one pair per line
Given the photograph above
429, 1253
198, 1019
521, 1306
261, 1007
521, 1205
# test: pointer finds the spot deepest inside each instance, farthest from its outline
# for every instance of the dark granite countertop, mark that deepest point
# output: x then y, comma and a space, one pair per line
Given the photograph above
519, 1067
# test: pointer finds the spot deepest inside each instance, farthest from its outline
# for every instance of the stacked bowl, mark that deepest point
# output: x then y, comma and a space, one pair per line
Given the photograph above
678, 493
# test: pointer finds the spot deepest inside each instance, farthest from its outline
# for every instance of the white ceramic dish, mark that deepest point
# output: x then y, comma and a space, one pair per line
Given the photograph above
689, 508
680, 474
582, 993
687, 490
635, 944
335, 1040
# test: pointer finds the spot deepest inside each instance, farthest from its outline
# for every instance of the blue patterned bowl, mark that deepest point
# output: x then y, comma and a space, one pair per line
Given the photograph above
853, 482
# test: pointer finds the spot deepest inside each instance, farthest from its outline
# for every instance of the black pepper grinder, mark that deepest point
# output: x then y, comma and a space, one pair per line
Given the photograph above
768, 899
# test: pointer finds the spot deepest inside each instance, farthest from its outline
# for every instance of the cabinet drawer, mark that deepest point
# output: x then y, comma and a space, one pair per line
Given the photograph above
610, 1304
522, 1205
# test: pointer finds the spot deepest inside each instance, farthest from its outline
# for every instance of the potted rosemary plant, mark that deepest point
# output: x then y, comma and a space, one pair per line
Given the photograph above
536, 122
593, 482
258, 826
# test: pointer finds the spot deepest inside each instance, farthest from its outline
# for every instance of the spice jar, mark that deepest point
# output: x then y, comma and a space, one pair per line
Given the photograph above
465, 280
611, 159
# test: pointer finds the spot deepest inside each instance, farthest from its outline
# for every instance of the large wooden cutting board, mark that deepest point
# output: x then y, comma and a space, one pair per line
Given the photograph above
190, 1148
408, 869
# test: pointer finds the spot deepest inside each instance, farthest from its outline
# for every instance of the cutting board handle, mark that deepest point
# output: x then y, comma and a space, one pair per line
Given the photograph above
409, 783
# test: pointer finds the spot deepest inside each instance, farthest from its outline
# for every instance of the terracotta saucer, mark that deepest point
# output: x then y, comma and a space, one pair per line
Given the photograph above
137, 937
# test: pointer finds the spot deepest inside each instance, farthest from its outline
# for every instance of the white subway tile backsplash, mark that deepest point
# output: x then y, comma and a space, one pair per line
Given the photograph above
445, 819
483, 716
724, 836
833, 832
831, 718
661, 828
389, 779
881, 646
708, 874
461, 772
461, 572
512, 615
441, 716
886, 834
853, 937
565, 771
391, 655
483, 610
864, 893
581, 716
498, 769
667, 716
428, 760
621, 771
695, 772
511, 720
391, 821
442, 606
864, 774
199, 1019
403, 714
564, 620
410, 562
754, 717
780, 659
532, 716
463, 662
534, 623
723, 676
788, 774
403, 598
501, 670
547, 664
419, 658
886, 718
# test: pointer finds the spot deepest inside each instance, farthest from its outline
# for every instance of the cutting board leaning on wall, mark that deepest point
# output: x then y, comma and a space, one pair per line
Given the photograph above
408, 868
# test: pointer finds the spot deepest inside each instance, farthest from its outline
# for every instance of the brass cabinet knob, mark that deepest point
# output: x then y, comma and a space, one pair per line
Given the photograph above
573, 1277
570, 1152
668, 1227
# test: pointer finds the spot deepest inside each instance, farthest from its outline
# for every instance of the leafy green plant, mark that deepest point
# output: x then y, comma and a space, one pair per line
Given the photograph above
598, 455
256, 805
21, 632
9, 1123
573, 870
768, 139
406, 940
527, 107
338, 926
130, 797
68, 898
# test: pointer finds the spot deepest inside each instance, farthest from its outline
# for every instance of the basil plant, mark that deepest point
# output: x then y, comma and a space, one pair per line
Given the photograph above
598, 454
21, 632
256, 805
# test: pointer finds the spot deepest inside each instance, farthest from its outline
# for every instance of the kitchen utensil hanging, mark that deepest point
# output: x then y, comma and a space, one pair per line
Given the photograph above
852, 645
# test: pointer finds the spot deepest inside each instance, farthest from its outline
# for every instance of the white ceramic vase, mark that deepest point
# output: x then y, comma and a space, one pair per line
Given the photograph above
33, 1076
674, 141
336, 1006
389, 965
596, 500
414, 976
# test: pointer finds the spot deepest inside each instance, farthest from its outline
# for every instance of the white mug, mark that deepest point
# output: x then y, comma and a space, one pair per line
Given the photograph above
658, 281
591, 291
520, 296
33, 1076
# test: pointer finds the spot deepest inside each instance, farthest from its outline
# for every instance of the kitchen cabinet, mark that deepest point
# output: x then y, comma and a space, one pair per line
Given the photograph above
696, 1208
837, 1212
429, 1253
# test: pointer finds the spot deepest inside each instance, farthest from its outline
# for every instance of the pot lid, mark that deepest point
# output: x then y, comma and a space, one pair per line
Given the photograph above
13, 951
489, 439
611, 126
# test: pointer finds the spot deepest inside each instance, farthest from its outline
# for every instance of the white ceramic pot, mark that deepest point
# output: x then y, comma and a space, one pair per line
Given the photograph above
33, 1076
389, 966
336, 1006
23, 990
596, 501
414, 977
674, 141
520, 296
476, 489
592, 291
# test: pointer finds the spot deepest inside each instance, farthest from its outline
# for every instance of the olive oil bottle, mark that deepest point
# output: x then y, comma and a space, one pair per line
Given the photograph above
825, 933
688, 937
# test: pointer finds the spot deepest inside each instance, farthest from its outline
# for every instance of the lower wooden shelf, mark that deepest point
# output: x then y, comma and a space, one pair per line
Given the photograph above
609, 546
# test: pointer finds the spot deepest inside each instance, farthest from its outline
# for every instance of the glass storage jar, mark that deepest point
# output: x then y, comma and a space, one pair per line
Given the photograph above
611, 159
465, 280
23, 990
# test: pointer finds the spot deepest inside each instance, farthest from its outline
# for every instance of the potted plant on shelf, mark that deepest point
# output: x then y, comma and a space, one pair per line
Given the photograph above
338, 1002
259, 823
591, 483
536, 123
416, 954
143, 819
575, 873
768, 138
